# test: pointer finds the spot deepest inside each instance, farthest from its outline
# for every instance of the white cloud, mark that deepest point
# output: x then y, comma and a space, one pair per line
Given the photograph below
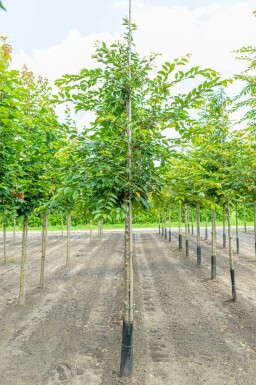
209, 33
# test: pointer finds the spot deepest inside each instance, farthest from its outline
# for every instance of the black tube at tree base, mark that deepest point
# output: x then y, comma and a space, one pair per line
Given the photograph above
180, 241
237, 246
213, 266
187, 248
165, 233
126, 364
199, 255
170, 236
233, 284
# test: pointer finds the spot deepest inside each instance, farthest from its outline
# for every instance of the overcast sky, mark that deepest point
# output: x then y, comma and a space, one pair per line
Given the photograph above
54, 37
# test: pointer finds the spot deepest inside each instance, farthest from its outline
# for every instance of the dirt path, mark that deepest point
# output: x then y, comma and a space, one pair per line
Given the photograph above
187, 332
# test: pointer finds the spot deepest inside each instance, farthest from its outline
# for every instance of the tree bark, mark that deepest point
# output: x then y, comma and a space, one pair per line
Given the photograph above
23, 260
68, 238
14, 232
186, 230
206, 224
231, 260
180, 229
237, 231
44, 242
244, 206
213, 256
4, 242
254, 206
224, 226
170, 225
198, 249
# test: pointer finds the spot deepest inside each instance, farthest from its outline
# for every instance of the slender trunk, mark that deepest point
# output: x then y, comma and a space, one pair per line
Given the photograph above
14, 232
91, 232
159, 222
231, 260
255, 227
162, 223
126, 364
23, 260
44, 235
186, 230
188, 220
213, 256
4, 242
224, 226
68, 238
192, 221
62, 225
198, 248
244, 206
180, 229
98, 229
170, 225
206, 224
165, 225
237, 231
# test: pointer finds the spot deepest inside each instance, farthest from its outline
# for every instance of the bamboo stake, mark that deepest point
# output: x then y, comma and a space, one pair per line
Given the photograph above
198, 248
23, 260
44, 235
231, 260
213, 256
68, 238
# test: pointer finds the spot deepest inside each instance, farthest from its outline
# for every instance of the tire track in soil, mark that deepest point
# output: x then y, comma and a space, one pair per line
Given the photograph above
205, 340
69, 344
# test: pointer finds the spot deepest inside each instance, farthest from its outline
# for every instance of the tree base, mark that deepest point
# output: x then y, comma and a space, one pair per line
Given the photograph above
126, 364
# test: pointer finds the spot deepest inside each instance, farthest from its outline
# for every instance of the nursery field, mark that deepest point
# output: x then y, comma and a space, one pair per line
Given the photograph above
187, 331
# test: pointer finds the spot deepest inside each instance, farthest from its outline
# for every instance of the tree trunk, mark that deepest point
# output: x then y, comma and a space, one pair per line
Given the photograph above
213, 256
198, 248
165, 225
162, 223
244, 206
224, 227
237, 231
23, 260
188, 220
68, 238
4, 242
62, 225
44, 239
91, 231
186, 230
192, 221
159, 222
180, 229
255, 227
170, 225
14, 232
231, 260
206, 224
126, 364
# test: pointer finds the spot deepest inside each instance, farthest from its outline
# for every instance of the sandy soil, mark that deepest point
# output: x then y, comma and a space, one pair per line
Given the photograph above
187, 331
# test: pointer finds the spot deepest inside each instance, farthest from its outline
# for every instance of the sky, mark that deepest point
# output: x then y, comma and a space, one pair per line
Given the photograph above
53, 37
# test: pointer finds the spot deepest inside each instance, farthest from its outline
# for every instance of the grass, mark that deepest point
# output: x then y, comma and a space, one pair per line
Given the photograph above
121, 226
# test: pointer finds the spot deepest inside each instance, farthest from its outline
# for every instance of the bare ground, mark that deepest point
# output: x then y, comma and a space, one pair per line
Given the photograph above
187, 331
